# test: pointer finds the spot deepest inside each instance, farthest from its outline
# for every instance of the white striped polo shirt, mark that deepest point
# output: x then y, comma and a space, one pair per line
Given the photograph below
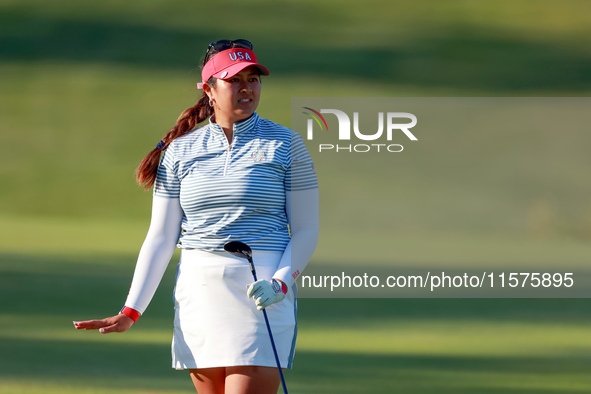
235, 191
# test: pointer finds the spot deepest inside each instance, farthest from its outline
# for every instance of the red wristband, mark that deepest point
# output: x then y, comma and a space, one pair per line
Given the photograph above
132, 313
283, 288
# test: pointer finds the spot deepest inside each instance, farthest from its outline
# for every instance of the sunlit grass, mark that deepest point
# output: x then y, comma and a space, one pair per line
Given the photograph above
451, 338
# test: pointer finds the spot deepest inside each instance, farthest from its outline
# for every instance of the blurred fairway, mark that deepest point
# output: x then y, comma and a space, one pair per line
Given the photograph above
87, 88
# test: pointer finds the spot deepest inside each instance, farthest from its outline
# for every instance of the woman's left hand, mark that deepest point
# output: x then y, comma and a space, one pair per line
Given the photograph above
265, 293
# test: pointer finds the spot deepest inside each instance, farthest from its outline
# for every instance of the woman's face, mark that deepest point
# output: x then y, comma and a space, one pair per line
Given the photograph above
236, 98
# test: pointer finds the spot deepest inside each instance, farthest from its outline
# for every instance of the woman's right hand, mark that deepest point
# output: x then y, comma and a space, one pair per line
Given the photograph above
117, 323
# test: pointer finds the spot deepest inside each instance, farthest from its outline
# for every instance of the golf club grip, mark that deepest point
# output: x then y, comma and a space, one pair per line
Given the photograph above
275, 351
252, 270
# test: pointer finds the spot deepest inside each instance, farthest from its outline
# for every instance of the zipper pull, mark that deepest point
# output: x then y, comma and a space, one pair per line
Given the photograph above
230, 144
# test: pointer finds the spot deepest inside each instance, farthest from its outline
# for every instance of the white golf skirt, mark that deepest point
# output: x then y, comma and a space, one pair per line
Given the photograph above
217, 325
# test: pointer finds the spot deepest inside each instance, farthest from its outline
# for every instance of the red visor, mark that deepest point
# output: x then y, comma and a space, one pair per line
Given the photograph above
230, 62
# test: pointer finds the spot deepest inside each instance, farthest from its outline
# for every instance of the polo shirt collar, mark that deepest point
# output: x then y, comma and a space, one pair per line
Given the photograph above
239, 127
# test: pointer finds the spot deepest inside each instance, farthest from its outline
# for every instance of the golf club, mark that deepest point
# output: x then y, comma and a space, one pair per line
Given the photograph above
242, 250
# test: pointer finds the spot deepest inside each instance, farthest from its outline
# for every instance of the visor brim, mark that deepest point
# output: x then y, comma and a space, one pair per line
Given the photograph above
234, 69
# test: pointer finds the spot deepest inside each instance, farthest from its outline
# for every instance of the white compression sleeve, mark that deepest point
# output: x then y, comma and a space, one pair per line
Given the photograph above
156, 251
303, 216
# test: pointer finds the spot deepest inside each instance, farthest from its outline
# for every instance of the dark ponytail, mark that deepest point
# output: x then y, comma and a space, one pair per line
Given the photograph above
187, 121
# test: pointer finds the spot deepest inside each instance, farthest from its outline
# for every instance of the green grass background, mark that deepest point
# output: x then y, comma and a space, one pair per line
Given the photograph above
87, 88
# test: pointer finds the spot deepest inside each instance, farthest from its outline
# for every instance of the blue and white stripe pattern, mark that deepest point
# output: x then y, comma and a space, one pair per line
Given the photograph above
235, 191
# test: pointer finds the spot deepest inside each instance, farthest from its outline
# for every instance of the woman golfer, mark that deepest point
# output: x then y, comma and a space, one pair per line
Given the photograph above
237, 178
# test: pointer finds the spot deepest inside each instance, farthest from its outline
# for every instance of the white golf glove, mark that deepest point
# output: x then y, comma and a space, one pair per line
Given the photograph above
265, 293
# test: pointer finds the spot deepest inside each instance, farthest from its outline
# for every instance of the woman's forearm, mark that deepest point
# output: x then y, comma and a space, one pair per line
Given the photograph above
156, 251
303, 216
